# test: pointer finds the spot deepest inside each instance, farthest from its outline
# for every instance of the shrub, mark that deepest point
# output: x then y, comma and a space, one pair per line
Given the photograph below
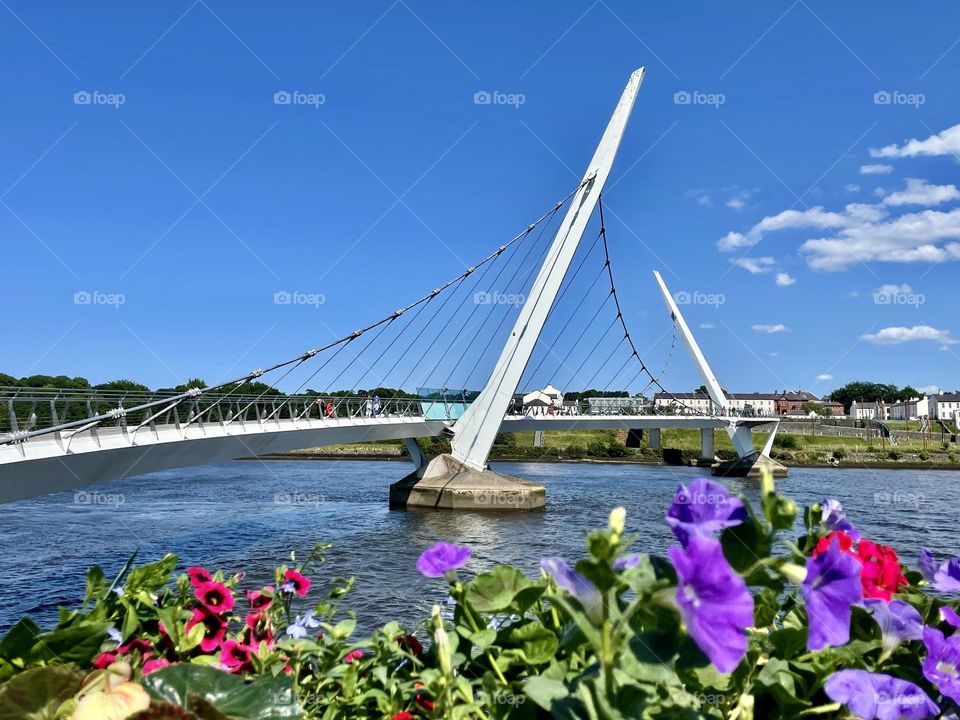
839, 453
786, 442
895, 455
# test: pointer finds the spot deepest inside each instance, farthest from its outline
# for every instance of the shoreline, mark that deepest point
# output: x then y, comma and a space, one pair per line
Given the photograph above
881, 465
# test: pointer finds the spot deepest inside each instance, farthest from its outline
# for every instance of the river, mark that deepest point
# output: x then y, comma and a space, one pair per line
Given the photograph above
248, 515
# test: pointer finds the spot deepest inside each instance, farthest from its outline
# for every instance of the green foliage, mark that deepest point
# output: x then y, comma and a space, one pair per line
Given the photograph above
513, 647
786, 442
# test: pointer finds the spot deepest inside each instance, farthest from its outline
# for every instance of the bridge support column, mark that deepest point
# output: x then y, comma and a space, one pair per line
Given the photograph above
415, 453
654, 441
708, 453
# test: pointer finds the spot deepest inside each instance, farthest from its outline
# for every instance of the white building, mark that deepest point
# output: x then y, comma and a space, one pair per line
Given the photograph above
909, 409
538, 402
868, 410
945, 406
746, 404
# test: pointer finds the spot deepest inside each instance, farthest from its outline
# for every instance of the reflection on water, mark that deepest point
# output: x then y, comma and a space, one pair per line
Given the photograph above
250, 515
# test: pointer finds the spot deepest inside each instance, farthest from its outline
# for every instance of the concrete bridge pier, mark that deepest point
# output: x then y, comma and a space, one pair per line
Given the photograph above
654, 440
708, 453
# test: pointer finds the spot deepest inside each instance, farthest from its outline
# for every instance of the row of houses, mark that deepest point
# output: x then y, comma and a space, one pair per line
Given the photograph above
787, 402
944, 406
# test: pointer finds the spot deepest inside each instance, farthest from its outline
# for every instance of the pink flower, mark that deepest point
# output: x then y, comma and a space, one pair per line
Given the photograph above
151, 665
235, 657
214, 632
260, 599
295, 582
215, 596
104, 660
198, 576
258, 630
353, 655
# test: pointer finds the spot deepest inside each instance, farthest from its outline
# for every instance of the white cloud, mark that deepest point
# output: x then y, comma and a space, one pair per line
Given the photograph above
876, 169
899, 335
929, 236
784, 279
815, 217
890, 290
825, 376
707, 326
944, 143
735, 203
754, 265
705, 200
920, 192
770, 329
852, 187
929, 389
774, 354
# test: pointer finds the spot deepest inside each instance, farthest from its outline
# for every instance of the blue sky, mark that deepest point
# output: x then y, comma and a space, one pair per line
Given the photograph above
767, 172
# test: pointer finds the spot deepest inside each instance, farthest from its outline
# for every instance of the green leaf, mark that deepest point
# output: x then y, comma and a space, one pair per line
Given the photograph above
544, 691
37, 694
744, 544
151, 577
263, 699
18, 641
779, 511
495, 591
537, 643
77, 644
96, 585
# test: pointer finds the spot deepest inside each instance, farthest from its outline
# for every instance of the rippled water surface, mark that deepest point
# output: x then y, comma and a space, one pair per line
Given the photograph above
237, 516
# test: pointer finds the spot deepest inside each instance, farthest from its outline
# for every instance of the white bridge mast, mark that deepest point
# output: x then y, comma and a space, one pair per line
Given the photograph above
477, 428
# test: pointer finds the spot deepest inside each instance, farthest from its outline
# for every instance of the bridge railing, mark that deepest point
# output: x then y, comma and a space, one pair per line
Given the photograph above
33, 412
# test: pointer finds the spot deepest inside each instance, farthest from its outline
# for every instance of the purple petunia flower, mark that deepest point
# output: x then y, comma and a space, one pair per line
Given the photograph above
714, 601
831, 587
442, 560
873, 696
898, 620
626, 562
941, 666
944, 577
703, 509
576, 584
950, 616
833, 518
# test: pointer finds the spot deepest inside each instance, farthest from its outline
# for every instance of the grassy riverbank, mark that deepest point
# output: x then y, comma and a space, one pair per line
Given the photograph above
609, 446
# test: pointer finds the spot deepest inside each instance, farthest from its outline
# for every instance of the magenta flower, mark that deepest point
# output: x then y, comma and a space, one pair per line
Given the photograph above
215, 596
873, 696
294, 582
714, 601
199, 576
831, 587
898, 620
941, 666
704, 508
944, 577
150, 665
236, 658
442, 560
576, 584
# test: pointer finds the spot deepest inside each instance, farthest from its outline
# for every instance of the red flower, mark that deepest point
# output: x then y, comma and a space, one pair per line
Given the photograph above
257, 630
420, 700
198, 576
214, 629
104, 659
141, 645
846, 544
353, 655
402, 715
151, 665
882, 575
215, 596
410, 644
260, 599
236, 657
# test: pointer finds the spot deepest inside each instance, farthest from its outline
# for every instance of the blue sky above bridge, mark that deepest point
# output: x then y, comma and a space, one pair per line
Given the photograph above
169, 168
